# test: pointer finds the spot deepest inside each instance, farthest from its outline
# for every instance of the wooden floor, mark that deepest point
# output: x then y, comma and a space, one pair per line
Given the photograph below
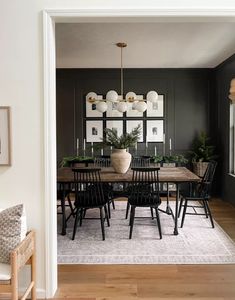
148, 282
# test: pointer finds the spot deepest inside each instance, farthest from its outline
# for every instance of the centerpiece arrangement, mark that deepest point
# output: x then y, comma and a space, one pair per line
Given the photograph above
120, 158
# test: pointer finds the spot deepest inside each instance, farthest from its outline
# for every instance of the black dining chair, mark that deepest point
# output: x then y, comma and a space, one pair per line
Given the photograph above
89, 194
136, 162
144, 192
201, 194
63, 194
104, 161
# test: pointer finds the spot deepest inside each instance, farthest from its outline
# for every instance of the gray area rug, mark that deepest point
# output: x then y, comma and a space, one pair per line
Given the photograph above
197, 242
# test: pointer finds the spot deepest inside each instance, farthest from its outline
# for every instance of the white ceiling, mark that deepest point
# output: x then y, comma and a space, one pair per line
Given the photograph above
150, 45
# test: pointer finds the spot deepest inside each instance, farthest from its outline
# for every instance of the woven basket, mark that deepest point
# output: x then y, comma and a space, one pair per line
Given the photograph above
199, 168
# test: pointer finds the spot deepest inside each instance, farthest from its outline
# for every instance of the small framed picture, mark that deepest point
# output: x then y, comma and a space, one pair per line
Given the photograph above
131, 124
94, 131
155, 131
5, 136
115, 124
91, 110
112, 109
131, 111
156, 109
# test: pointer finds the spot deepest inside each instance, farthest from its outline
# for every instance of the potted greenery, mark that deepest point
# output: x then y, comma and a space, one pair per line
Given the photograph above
170, 160
202, 153
120, 158
68, 160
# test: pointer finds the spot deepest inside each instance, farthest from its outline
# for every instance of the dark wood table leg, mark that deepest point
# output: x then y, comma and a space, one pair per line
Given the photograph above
176, 209
63, 211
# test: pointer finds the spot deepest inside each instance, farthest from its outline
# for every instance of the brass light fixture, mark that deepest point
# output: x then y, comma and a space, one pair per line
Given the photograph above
122, 102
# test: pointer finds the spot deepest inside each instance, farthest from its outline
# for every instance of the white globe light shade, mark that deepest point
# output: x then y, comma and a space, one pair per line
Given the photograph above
91, 96
152, 96
141, 106
112, 96
131, 96
122, 107
101, 106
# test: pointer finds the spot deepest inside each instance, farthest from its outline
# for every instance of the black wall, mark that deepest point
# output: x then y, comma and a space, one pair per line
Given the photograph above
186, 92
222, 77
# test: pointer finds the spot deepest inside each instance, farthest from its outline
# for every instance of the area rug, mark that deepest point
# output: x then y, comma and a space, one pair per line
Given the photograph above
196, 243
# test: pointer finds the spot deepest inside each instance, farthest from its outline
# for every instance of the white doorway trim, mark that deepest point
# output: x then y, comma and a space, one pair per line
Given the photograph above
50, 17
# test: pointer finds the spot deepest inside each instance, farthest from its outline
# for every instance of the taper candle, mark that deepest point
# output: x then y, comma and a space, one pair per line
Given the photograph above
77, 146
92, 150
170, 144
102, 151
84, 145
155, 151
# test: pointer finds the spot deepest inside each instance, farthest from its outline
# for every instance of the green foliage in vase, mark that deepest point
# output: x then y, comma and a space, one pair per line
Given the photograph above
121, 142
202, 150
66, 161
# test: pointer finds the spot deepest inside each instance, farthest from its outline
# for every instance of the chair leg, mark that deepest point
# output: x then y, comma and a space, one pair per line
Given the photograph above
71, 206
184, 212
151, 209
109, 210
113, 203
132, 220
158, 222
75, 223
102, 222
210, 215
127, 209
106, 215
205, 208
81, 216
33, 277
180, 206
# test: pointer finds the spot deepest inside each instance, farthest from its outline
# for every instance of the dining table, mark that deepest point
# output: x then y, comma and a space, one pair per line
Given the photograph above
176, 175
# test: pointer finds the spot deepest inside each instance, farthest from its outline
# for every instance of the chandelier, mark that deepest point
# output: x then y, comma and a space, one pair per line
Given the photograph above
122, 102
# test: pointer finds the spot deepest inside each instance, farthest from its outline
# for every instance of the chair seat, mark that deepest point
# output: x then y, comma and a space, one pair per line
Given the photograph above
5, 272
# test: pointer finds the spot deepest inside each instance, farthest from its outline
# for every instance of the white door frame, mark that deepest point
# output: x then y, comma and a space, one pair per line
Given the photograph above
50, 17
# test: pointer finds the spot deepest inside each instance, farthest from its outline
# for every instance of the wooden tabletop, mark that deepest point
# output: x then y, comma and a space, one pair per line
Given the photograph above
175, 174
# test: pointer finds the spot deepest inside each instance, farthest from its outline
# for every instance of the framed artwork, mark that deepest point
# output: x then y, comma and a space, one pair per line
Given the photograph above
112, 109
5, 136
156, 109
154, 131
117, 124
91, 109
131, 111
131, 124
94, 131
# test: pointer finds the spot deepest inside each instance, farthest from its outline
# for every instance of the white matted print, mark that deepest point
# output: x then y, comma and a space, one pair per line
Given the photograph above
94, 131
112, 109
155, 131
156, 109
115, 124
131, 124
5, 138
91, 110
131, 111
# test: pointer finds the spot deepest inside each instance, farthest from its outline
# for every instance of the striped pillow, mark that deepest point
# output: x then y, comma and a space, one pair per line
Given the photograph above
12, 230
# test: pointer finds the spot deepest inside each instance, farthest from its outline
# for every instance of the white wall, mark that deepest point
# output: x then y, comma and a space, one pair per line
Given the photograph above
21, 78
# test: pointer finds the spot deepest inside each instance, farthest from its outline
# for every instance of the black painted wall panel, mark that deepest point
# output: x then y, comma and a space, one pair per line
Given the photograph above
223, 75
186, 91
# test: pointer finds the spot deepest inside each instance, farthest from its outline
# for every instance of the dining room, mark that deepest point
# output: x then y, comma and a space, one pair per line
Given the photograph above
144, 143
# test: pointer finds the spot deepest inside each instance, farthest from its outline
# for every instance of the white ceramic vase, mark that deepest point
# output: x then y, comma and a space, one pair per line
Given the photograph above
120, 160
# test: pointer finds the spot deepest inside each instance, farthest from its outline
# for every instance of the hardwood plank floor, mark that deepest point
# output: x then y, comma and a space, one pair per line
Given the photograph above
148, 282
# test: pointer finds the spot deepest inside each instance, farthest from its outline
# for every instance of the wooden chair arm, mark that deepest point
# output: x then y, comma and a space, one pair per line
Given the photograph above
24, 251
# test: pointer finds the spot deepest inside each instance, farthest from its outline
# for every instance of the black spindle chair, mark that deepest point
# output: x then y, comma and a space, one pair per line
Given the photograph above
144, 192
89, 194
136, 162
104, 161
200, 193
